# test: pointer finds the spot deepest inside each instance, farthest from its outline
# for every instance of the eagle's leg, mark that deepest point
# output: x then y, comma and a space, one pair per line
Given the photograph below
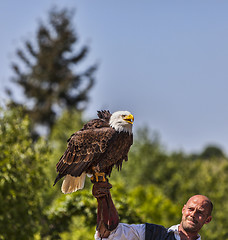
99, 177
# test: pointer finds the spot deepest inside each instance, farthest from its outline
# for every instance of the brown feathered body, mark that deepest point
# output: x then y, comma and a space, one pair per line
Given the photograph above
97, 147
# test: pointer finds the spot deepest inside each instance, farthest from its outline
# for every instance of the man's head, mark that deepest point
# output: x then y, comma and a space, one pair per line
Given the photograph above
195, 213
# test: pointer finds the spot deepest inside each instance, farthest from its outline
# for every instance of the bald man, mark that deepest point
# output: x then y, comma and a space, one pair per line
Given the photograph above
195, 213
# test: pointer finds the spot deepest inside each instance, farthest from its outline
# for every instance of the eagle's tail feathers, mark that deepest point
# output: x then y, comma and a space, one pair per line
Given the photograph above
72, 184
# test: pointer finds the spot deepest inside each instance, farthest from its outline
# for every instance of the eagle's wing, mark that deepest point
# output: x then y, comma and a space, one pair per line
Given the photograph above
82, 147
105, 115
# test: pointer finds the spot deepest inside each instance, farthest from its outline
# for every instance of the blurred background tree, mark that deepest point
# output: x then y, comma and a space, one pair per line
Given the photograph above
51, 78
212, 151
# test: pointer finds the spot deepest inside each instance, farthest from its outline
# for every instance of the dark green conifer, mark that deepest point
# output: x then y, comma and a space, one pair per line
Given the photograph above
50, 78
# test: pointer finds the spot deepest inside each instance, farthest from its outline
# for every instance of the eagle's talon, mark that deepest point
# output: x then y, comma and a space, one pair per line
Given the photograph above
99, 177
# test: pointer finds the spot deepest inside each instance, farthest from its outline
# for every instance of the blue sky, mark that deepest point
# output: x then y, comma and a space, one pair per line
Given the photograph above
165, 61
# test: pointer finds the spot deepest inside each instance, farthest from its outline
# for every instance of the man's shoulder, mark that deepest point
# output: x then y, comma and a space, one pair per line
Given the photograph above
157, 232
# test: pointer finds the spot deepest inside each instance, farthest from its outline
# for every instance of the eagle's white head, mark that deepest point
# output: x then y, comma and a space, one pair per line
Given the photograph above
122, 121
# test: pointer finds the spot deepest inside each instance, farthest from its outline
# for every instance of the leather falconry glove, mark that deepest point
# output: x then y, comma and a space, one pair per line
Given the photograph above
107, 215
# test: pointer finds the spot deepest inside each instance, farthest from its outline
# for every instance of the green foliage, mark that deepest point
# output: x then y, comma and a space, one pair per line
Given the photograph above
81, 204
79, 230
23, 180
144, 204
51, 78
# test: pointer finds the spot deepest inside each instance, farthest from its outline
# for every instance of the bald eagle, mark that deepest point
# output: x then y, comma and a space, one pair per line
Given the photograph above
94, 150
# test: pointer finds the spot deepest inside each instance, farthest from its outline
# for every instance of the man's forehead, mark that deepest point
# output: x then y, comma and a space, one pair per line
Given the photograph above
200, 203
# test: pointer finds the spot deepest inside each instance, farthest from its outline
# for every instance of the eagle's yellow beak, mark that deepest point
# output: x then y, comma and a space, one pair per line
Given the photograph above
129, 118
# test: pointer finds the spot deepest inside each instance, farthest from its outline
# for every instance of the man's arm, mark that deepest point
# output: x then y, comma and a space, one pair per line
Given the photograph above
107, 215
108, 225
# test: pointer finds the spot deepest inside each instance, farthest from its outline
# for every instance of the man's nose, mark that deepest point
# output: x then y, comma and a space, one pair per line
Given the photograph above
193, 213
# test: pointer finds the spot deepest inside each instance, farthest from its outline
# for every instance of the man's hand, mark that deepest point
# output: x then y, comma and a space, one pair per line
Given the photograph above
101, 189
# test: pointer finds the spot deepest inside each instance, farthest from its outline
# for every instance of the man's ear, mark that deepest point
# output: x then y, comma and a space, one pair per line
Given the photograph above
208, 219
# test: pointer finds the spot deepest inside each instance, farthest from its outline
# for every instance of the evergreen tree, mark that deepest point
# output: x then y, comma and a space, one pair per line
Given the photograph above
49, 79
